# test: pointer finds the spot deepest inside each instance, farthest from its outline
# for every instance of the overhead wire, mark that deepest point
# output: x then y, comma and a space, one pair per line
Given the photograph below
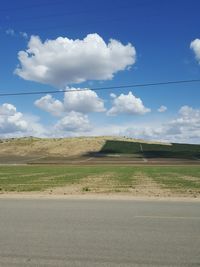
100, 88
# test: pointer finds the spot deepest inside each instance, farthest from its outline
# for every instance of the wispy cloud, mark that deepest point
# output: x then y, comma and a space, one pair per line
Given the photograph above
10, 32
162, 109
24, 35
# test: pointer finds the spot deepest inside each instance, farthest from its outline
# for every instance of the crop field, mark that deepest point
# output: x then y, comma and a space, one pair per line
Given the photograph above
99, 165
134, 180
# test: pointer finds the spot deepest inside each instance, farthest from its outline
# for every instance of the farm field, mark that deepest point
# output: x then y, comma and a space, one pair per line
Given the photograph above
93, 165
158, 181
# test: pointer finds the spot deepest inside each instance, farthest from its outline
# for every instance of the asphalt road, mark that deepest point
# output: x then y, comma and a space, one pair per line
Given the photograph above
99, 233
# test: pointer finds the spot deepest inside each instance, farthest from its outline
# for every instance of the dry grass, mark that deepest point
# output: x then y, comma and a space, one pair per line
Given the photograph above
64, 147
51, 147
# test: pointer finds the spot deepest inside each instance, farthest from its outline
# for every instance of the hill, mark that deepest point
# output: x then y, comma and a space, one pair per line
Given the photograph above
30, 149
60, 146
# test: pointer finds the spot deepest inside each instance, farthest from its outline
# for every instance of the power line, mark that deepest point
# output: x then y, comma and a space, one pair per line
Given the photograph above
100, 88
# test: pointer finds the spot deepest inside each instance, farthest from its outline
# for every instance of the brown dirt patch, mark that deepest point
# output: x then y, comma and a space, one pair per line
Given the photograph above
145, 186
103, 183
191, 178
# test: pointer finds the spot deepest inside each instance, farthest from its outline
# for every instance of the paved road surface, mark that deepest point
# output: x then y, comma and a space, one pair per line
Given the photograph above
99, 233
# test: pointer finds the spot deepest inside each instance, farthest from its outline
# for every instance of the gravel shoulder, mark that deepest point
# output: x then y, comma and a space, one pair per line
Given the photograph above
39, 195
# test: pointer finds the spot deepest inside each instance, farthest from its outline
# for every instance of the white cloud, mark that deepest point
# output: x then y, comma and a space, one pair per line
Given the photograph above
112, 95
195, 46
11, 120
184, 128
188, 119
127, 104
162, 108
83, 101
14, 123
186, 111
50, 104
35, 128
80, 101
74, 122
144, 132
7, 109
64, 61
72, 109
13, 33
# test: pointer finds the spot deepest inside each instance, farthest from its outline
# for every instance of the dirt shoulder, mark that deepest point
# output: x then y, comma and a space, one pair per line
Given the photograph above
95, 196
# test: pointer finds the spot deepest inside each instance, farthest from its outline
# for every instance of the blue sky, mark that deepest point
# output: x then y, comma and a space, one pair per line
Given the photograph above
159, 34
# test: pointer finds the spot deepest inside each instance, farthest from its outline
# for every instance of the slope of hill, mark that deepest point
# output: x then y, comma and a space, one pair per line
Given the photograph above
50, 147
58, 146
150, 150
29, 149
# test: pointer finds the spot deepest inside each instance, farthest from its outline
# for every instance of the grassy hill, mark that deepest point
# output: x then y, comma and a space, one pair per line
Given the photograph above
57, 146
30, 148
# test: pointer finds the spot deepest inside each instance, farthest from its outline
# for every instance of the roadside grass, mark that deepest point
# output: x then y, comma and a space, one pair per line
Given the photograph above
178, 180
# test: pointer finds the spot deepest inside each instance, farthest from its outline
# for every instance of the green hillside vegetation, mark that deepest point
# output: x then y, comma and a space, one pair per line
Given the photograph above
186, 151
182, 151
121, 147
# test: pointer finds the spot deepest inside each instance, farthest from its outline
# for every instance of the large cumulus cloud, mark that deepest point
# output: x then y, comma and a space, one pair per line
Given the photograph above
64, 61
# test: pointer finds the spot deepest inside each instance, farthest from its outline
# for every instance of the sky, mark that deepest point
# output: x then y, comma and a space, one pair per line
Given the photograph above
76, 46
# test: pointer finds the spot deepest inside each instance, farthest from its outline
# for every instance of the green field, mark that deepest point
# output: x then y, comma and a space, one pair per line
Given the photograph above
150, 180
